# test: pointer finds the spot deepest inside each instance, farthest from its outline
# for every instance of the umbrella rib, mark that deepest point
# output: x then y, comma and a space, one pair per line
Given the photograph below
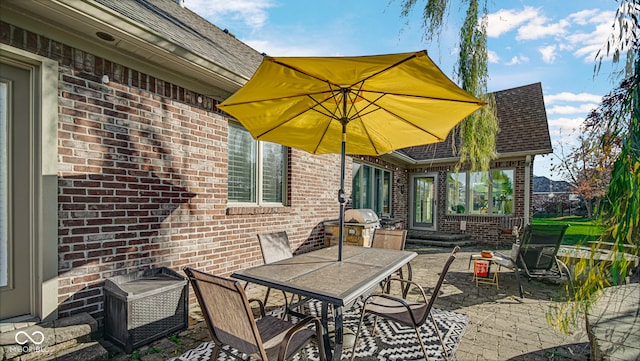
425, 97
328, 113
279, 98
301, 71
414, 55
372, 103
412, 124
332, 115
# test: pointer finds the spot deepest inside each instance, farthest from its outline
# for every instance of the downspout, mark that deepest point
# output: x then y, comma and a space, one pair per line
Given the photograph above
527, 188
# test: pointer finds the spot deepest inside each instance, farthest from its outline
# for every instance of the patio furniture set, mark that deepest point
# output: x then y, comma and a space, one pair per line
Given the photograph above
319, 276
315, 276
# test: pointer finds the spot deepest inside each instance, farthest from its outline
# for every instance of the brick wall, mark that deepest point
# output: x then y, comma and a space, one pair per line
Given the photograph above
484, 229
142, 179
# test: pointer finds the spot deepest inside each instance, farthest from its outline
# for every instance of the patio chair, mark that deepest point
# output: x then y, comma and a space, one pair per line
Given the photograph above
276, 247
230, 320
536, 255
392, 239
403, 311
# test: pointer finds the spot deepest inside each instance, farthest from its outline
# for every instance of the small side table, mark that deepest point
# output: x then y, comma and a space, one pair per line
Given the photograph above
479, 264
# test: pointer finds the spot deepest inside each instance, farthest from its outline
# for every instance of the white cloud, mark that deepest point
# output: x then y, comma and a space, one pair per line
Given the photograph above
572, 97
582, 33
518, 60
288, 49
539, 28
570, 109
250, 12
492, 56
564, 126
506, 20
585, 17
548, 53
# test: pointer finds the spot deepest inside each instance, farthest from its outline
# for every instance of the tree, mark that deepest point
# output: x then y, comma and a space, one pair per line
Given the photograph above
478, 131
621, 210
587, 166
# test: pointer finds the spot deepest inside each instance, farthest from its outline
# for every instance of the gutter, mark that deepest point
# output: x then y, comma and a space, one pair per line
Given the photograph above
439, 161
136, 46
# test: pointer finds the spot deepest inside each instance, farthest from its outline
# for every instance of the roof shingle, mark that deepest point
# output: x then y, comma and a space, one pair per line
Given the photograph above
523, 126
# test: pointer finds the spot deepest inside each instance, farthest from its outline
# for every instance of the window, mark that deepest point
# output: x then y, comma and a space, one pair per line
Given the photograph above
371, 188
480, 192
256, 169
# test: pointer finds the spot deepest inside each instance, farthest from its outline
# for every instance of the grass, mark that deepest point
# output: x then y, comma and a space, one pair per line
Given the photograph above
580, 231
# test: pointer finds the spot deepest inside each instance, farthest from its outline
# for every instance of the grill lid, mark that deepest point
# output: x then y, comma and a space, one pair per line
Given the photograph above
360, 216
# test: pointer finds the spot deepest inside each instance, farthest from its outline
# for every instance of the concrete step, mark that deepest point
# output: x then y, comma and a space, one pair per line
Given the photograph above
439, 239
51, 340
88, 351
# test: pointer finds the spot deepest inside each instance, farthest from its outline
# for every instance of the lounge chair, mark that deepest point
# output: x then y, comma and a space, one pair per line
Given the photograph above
536, 254
230, 320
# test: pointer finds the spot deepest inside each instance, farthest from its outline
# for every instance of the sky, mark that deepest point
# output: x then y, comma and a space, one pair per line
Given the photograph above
548, 41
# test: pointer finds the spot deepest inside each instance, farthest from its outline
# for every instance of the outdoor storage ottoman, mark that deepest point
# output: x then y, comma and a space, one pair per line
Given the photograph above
143, 306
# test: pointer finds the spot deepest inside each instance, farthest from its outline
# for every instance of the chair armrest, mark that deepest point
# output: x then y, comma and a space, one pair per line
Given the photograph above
408, 284
302, 325
260, 304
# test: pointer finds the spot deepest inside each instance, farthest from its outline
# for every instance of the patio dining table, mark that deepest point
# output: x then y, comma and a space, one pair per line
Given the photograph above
319, 275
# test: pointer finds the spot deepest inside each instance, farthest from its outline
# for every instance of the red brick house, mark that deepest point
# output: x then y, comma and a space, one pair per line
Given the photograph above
485, 205
115, 157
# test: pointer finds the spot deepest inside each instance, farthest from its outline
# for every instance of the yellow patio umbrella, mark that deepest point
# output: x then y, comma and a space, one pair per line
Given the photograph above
367, 105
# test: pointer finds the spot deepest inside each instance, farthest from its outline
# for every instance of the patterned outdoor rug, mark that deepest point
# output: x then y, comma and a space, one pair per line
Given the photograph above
391, 342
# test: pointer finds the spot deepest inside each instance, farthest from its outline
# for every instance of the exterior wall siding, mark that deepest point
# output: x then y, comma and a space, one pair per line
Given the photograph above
142, 180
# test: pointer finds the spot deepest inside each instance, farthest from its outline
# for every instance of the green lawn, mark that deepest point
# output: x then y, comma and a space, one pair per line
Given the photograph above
581, 230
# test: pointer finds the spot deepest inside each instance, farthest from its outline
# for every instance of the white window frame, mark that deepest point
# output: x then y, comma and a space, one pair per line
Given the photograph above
258, 185
468, 193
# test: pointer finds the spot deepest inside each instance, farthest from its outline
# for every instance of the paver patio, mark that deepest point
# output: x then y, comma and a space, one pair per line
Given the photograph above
502, 326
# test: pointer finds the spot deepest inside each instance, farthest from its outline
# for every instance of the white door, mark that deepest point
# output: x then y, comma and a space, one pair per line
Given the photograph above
15, 195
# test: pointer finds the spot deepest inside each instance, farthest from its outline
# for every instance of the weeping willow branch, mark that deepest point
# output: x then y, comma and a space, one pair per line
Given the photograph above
477, 133
621, 213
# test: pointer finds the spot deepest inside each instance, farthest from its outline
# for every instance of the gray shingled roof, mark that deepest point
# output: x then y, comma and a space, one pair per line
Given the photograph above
523, 126
184, 27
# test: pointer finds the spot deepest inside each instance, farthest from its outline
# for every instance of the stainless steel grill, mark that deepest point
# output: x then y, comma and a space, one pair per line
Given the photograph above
358, 228
360, 216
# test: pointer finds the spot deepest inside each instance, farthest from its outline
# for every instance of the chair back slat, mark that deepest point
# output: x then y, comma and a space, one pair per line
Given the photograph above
443, 274
540, 244
226, 309
389, 238
275, 246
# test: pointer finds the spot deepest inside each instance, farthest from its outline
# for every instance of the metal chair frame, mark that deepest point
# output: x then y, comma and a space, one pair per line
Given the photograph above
403, 311
229, 317
536, 255
393, 239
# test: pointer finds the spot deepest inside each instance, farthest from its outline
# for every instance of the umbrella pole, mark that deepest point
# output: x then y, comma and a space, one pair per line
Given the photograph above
341, 196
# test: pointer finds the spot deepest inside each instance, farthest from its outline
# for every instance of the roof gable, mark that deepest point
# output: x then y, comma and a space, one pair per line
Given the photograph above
523, 127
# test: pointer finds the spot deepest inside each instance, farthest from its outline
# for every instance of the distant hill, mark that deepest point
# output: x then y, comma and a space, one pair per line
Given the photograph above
543, 184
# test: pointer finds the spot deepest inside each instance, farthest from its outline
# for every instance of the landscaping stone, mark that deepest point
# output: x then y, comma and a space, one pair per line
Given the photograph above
613, 324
